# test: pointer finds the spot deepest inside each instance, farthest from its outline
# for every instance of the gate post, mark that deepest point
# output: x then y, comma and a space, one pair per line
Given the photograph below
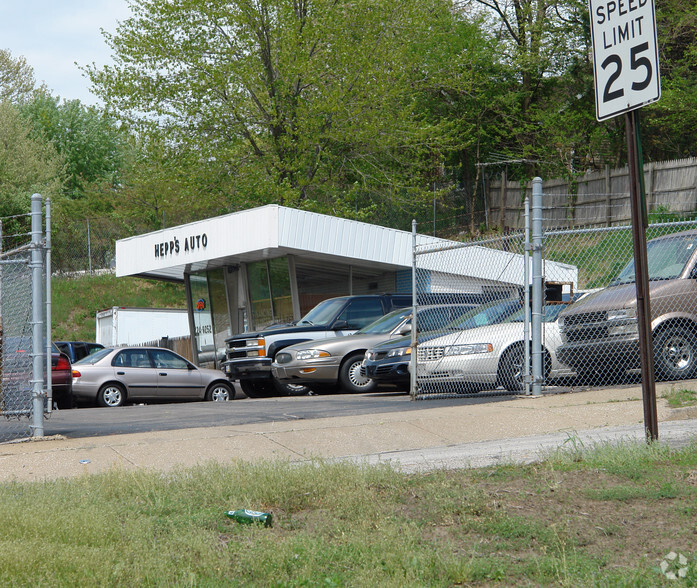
37, 350
536, 313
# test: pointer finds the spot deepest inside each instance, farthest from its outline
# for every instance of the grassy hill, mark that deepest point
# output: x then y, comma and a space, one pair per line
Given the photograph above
76, 301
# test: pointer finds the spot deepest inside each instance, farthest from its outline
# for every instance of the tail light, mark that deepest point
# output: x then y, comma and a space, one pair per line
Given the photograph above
63, 364
76, 374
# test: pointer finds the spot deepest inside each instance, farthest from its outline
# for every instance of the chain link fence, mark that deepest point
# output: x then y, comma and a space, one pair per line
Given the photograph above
589, 331
16, 348
81, 246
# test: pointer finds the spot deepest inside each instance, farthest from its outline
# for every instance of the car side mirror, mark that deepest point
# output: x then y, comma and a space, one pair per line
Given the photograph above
339, 325
693, 273
405, 330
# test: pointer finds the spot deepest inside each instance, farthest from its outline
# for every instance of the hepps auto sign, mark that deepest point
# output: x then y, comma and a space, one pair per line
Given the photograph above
625, 55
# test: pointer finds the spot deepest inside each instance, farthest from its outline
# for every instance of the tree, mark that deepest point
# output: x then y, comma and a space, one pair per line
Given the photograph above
16, 78
27, 165
306, 103
91, 143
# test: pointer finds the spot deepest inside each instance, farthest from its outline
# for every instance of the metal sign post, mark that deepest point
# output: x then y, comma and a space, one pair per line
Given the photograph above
625, 66
639, 222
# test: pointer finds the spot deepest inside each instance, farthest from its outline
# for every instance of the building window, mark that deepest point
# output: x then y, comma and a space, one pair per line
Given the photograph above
269, 292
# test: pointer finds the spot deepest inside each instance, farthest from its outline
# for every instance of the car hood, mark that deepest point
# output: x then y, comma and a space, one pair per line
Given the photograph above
620, 296
406, 340
338, 345
495, 334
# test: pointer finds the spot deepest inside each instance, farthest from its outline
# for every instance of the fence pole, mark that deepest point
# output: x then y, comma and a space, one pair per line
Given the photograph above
0, 279
49, 337
526, 285
412, 363
536, 313
37, 324
89, 247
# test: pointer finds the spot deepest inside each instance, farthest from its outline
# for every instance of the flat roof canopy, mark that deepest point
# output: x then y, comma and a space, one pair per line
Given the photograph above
274, 231
260, 233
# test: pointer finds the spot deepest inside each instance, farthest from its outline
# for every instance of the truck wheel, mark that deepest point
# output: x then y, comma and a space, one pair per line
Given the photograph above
253, 389
285, 389
220, 392
674, 351
350, 377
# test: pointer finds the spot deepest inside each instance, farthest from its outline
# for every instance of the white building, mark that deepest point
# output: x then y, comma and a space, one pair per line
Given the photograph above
272, 264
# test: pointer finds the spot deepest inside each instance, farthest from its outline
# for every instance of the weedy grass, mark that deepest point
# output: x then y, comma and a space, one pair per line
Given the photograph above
680, 397
585, 516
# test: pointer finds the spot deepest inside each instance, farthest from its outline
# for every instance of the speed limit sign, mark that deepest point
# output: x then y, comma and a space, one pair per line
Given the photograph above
625, 55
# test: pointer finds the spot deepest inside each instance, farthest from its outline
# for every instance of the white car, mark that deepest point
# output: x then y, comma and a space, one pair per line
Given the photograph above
493, 355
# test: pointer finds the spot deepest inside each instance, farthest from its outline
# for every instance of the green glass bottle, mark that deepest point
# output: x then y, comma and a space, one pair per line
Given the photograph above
247, 517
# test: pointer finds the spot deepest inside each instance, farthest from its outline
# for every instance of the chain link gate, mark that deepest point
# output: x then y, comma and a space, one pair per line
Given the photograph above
589, 333
24, 380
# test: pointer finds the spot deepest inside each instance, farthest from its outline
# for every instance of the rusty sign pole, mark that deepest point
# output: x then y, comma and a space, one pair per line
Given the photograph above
639, 223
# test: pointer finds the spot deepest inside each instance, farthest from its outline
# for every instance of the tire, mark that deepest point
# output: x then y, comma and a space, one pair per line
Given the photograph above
66, 402
111, 395
254, 389
512, 368
675, 353
350, 378
220, 392
285, 389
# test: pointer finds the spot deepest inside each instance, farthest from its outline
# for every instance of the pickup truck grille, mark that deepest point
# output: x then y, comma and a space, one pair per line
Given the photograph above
243, 348
586, 326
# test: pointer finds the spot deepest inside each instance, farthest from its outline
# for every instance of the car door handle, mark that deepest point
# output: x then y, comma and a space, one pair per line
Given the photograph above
120, 373
163, 373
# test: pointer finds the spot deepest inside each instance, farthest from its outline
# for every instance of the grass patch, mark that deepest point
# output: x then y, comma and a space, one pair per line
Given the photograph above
584, 517
76, 301
680, 398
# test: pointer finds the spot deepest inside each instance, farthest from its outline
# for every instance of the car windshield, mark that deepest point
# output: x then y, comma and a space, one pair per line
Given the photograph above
666, 259
387, 323
323, 313
93, 357
550, 312
486, 314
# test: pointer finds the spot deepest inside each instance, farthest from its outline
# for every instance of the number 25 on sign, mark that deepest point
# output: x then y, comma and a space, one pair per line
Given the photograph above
625, 55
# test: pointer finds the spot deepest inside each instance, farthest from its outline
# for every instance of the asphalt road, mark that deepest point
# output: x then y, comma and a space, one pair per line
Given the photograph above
90, 422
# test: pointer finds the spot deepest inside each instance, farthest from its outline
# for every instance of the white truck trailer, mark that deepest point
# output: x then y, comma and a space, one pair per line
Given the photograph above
134, 326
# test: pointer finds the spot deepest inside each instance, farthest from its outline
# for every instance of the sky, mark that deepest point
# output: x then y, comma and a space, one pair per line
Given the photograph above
54, 34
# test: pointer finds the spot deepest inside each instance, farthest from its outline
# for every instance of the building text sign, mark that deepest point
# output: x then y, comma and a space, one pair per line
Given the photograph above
625, 55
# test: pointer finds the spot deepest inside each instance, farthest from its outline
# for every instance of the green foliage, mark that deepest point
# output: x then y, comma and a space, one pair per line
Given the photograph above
76, 301
27, 165
16, 78
90, 142
299, 102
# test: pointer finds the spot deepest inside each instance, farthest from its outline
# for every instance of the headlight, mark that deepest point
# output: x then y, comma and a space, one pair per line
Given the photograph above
469, 349
621, 314
399, 352
311, 354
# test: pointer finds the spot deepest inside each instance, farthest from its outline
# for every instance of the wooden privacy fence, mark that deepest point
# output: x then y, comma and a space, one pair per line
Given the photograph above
597, 198
180, 345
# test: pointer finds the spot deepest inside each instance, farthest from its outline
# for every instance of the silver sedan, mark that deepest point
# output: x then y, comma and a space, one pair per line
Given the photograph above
335, 360
113, 376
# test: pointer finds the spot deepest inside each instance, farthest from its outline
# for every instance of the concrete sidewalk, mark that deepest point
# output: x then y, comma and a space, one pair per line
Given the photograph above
484, 432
